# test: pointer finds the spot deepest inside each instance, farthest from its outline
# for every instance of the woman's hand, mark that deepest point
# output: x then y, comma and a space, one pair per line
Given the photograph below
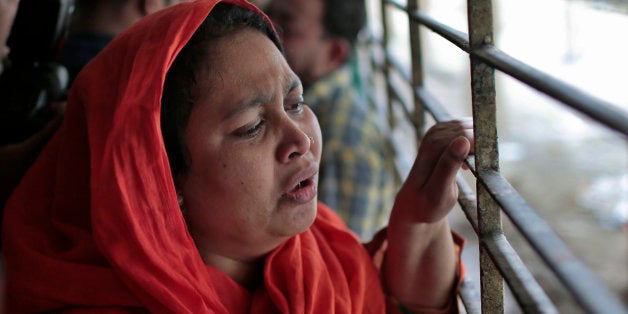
430, 191
420, 266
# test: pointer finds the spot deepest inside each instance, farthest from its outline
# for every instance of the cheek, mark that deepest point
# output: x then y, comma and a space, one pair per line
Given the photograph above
248, 193
226, 191
246, 174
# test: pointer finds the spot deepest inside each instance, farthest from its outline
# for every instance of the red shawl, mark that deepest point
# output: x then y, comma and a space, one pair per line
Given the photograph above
95, 223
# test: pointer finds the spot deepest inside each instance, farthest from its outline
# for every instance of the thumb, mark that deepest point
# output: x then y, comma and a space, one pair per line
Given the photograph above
459, 148
452, 158
443, 178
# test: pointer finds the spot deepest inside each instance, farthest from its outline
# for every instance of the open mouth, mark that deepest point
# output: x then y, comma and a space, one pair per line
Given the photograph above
301, 185
303, 192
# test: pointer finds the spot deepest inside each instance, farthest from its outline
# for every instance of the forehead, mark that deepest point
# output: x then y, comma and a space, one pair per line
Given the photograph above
244, 66
243, 56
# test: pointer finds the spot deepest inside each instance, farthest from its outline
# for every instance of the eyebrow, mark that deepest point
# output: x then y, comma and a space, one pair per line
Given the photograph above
295, 82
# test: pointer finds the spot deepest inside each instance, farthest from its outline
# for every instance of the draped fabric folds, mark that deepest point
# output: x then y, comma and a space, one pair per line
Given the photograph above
95, 223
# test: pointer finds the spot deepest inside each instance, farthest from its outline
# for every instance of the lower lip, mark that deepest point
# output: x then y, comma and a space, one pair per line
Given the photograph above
302, 195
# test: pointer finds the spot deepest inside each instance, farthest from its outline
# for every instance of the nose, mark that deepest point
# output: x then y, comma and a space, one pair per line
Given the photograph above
294, 142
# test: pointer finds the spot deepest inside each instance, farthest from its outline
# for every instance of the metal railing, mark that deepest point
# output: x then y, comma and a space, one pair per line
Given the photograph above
493, 194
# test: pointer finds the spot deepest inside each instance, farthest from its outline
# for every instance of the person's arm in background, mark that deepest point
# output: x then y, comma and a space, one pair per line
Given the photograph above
364, 189
16, 158
8, 9
357, 175
420, 265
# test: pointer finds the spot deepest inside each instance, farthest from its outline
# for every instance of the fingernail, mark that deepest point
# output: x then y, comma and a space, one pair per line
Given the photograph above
459, 147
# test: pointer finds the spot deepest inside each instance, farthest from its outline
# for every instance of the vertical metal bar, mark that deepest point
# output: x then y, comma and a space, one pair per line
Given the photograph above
386, 66
417, 67
480, 22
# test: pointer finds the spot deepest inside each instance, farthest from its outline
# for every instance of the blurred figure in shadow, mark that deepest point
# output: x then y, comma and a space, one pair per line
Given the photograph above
15, 158
96, 22
357, 167
17, 152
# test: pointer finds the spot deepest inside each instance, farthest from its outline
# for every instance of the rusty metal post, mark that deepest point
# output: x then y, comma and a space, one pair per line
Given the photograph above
480, 19
416, 54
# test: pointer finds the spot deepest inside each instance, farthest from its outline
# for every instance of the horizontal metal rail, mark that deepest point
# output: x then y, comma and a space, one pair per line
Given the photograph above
527, 291
601, 111
470, 297
597, 109
577, 278
530, 296
587, 290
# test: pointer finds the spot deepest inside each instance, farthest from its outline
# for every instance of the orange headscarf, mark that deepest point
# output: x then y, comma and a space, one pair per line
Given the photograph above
95, 223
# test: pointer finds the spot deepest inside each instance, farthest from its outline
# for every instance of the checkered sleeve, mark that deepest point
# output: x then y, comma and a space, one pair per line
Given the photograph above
357, 183
356, 178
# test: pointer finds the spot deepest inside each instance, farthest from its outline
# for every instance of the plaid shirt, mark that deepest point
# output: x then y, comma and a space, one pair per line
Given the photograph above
357, 168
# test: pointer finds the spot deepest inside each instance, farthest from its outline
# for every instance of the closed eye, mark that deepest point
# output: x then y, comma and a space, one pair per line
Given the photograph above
251, 131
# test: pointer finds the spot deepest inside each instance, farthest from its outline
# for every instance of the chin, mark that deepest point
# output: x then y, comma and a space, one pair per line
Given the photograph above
300, 220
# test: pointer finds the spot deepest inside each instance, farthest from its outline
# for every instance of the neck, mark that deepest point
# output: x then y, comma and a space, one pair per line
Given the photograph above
249, 274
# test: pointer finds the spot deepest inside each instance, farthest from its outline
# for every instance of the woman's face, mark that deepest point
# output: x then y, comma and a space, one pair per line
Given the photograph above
253, 170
